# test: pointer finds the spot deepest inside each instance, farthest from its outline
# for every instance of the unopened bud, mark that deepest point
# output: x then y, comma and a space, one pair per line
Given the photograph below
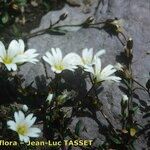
49, 98
130, 43
90, 19
22, 9
25, 108
116, 24
15, 7
125, 98
124, 101
63, 16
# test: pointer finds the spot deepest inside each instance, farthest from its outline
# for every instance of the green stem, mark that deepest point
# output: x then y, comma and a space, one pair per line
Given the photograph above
130, 102
103, 114
140, 85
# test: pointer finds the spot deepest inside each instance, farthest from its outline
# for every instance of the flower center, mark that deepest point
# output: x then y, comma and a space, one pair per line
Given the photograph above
22, 129
86, 61
59, 67
7, 60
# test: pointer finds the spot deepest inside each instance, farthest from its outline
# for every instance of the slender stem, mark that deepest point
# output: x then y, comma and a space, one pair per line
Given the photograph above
103, 114
36, 33
45, 69
57, 80
90, 90
120, 41
123, 36
130, 102
140, 85
57, 27
98, 23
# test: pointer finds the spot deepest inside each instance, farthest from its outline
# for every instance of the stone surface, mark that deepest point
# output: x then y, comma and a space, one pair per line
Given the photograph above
135, 14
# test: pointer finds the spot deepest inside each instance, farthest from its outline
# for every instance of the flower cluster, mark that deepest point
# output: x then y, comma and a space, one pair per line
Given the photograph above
89, 62
16, 55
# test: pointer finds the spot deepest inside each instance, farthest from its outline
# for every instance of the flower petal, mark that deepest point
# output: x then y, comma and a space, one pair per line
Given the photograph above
21, 46
72, 58
11, 67
87, 55
89, 69
13, 48
12, 125
19, 116
34, 132
29, 117
25, 139
108, 70
31, 121
97, 66
49, 58
100, 52
57, 54
19, 59
30, 55
2, 50
113, 78
21, 137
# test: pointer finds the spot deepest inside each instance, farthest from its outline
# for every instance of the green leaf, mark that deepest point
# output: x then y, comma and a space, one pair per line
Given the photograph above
115, 140
16, 31
78, 127
135, 109
5, 18
21, 2
148, 84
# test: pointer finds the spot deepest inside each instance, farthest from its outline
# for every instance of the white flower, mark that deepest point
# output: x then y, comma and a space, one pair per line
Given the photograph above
125, 97
102, 75
15, 54
49, 98
58, 64
88, 58
25, 108
23, 126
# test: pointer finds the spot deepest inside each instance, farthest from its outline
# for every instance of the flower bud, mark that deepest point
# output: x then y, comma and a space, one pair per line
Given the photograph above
49, 98
89, 20
25, 108
130, 43
15, 7
128, 48
124, 102
116, 24
63, 16
125, 98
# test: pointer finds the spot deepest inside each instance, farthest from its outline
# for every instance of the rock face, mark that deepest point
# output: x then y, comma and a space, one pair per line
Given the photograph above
135, 14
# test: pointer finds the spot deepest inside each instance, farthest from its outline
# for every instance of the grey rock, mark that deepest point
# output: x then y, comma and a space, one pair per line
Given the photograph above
135, 14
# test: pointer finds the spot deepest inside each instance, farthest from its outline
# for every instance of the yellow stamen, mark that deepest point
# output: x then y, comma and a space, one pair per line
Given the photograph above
7, 60
59, 67
22, 129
